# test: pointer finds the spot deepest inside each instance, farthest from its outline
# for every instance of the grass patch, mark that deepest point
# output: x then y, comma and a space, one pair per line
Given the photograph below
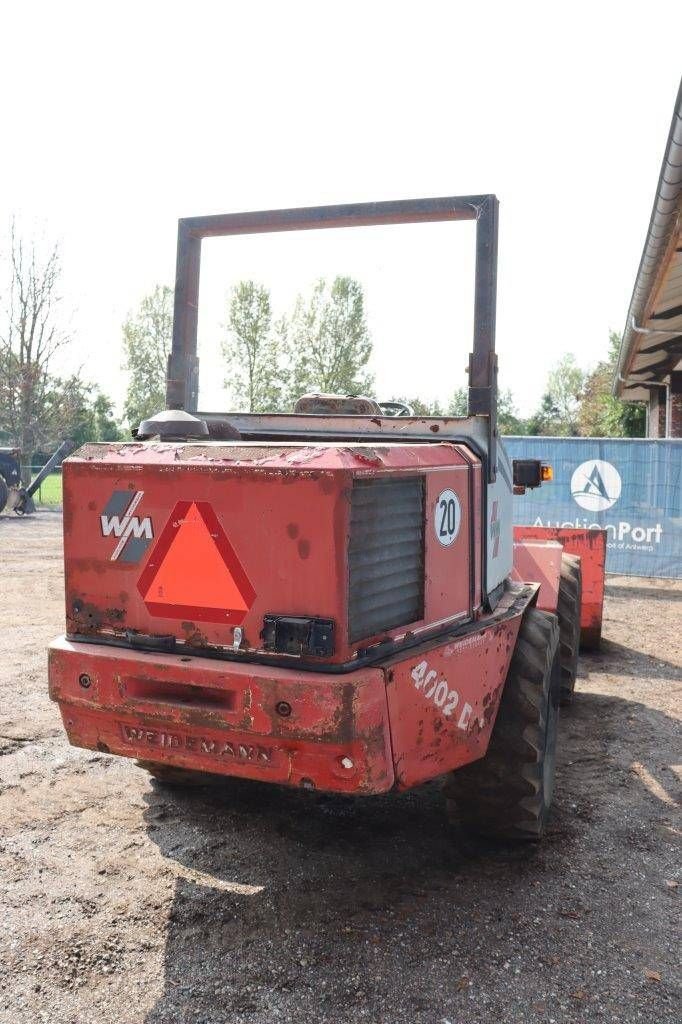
50, 491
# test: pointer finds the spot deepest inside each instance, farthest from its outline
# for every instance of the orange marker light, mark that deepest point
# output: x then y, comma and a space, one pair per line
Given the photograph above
547, 472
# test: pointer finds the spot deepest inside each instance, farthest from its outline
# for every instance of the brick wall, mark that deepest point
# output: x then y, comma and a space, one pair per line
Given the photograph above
676, 404
657, 412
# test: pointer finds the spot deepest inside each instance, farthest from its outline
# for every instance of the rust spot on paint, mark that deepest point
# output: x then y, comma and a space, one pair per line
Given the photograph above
292, 530
304, 548
92, 505
367, 454
490, 711
434, 428
193, 635
204, 717
90, 618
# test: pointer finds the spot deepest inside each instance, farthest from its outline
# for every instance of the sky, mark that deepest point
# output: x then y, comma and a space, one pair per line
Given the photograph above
118, 119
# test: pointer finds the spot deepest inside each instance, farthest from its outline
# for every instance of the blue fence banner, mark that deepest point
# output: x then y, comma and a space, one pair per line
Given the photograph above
630, 487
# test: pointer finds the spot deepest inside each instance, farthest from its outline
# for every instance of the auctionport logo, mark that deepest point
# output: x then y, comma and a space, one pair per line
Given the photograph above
596, 485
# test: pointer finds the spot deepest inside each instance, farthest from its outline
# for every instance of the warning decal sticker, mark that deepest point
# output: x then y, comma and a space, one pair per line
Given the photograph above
193, 572
447, 517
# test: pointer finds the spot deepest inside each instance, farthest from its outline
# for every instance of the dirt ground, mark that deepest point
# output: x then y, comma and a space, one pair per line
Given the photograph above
122, 902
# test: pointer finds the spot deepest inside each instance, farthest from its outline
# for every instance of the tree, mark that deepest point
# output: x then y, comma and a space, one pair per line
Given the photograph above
565, 386
147, 337
459, 403
602, 415
559, 410
30, 334
106, 425
327, 341
508, 419
78, 410
255, 373
542, 419
425, 408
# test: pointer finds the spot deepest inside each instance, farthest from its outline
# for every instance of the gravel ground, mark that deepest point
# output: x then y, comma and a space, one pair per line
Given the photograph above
122, 902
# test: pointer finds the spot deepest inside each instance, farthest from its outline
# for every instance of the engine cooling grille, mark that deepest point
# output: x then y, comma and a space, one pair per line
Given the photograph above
386, 555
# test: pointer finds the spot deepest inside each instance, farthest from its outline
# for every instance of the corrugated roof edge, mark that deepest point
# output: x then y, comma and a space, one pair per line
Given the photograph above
661, 225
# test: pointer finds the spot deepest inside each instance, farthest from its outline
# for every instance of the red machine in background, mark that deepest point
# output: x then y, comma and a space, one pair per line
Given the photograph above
331, 599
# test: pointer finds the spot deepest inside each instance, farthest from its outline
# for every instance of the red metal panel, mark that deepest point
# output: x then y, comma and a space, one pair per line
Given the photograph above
291, 542
282, 510
448, 561
590, 545
275, 725
443, 702
538, 561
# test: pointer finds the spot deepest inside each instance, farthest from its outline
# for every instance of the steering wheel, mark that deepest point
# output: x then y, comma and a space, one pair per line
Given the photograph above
396, 409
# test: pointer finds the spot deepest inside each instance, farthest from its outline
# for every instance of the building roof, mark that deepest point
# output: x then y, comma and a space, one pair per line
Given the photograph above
652, 339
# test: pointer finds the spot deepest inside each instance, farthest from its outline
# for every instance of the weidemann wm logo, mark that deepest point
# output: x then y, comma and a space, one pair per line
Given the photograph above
134, 534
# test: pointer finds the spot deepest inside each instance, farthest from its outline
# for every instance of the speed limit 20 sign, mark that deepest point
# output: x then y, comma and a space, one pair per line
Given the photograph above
447, 517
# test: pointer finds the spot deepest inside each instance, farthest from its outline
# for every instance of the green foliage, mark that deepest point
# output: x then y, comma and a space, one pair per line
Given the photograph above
507, 416
541, 420
579, 404
508, 419
459, 403
70, 407
255, 373
31, 333
602, 415
38, 409
559, 411
147, 336
78, 410
323, 346
425, 408
107, 427
326, 341
633, 419
564, 395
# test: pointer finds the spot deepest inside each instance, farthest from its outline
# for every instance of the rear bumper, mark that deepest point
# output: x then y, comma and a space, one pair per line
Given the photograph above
418, 715
330, 733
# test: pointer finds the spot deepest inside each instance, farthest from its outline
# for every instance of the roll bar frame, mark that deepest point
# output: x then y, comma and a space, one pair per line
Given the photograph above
182, 390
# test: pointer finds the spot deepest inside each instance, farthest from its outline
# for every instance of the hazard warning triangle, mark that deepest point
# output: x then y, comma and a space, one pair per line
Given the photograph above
193, 572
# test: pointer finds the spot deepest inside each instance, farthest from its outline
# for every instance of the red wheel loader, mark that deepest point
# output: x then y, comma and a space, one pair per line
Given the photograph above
332, 599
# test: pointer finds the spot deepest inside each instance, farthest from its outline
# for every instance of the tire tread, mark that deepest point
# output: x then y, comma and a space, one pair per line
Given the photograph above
501, 795
568, 611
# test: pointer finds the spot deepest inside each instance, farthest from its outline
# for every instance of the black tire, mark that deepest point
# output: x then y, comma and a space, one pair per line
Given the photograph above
568, 611
508, 793
170, 775
4, 493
